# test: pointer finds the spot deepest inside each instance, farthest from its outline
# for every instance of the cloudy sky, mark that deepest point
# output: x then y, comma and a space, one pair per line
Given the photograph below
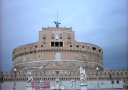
100, 22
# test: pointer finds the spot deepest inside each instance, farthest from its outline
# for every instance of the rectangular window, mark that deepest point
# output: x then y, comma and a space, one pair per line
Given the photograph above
112, 82
56, 44
52, 36
61, 44
60, 36
52, 44
68, 36
44, 36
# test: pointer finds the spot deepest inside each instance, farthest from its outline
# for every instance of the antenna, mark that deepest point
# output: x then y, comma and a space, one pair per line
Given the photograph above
57, 15
56, 22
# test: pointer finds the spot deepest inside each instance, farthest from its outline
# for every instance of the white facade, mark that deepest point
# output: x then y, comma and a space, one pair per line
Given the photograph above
74, 85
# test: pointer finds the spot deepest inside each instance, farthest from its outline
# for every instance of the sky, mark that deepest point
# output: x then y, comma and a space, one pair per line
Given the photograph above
100, 22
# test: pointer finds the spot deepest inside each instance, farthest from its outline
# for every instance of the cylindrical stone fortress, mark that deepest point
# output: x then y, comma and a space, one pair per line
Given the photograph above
57, 44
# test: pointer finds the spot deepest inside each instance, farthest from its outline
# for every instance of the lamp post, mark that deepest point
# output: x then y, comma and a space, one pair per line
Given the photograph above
110, 76
1, 79
14, 70
97, 77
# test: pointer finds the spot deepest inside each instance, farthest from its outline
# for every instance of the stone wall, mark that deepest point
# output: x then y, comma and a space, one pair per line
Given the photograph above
70, 49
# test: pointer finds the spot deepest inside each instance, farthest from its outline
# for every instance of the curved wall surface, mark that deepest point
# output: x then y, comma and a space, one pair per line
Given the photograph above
57, 44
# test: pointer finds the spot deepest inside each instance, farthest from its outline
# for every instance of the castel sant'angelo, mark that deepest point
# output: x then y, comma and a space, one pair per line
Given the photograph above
63, 62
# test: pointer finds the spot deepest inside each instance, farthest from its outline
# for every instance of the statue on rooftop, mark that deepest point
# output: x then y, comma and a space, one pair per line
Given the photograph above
57, 24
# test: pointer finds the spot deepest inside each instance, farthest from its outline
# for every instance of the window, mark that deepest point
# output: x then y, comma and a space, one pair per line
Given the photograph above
35, 46
117, 82
82, 46
56, 44
52, 37
61, 44
60, 36
68, 36
44, 36
93, 48
77, 45
52, 44
70, 45
112, 82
